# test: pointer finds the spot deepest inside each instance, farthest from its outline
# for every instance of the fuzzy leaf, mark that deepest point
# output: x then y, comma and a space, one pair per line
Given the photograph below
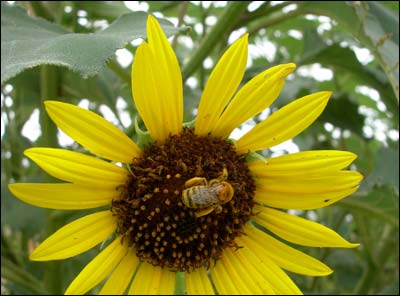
27, 42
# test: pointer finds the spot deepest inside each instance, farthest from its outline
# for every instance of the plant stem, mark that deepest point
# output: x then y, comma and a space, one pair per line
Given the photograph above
117, 69
182, 12
269, 22
227, 19
49, 88
179, 283
18, 275
327, 251
41, 10
203, 16
261, 12
49, 81
13, 166
356, 205
385, 250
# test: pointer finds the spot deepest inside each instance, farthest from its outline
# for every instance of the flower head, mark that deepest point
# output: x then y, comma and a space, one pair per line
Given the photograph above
191, 201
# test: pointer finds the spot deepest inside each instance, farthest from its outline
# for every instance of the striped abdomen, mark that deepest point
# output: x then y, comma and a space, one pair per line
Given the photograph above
199, 197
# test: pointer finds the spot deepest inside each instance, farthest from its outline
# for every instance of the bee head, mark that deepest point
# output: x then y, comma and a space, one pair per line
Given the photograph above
226, 193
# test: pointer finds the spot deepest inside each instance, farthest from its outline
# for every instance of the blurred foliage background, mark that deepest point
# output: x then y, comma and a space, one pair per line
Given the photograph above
80, 52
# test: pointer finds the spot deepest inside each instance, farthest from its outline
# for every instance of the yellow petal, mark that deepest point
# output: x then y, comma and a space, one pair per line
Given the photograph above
279, 281
63, 196
198, 283
263, 276
77, 168
300, 201
248, 274
168, 75
146, 94
153, 280
301, 163
317, 183
76, 237
93, 132
299, 230
119, 280
157, 84
98, 268
225, 282
285, 256
252, 98
221, 85
285, 123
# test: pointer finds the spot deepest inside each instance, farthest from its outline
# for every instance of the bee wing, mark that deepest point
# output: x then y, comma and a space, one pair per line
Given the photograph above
214, 191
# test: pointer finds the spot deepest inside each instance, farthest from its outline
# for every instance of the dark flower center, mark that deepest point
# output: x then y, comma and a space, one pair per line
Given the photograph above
185, 201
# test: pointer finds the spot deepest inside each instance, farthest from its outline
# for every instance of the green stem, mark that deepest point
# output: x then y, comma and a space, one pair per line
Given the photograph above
131, 48
269, 22
181, 14
117, 69
8, 250
169, 5
225, 23
49, 82
49, 88
388, 71
251, 16
385, 250
362, 207
180, 283
261, 12
327, 251
201, 70
18, 275
14, 164
41, 10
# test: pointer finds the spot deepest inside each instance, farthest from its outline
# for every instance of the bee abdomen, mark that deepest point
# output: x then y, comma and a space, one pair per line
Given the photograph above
187, 197
195, 197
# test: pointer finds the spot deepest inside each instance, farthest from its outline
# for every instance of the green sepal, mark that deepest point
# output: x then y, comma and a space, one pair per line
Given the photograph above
189, 124
254, 156
143, 139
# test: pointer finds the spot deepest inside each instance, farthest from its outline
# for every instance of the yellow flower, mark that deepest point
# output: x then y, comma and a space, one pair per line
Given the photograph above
191, 201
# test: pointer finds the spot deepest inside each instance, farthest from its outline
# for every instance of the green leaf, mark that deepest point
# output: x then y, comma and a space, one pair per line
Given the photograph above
343, 59
372, 24
381, 27
381, 203
26, 95
11, 207
28, 42
313, 45
16, 274
347, 269
102, 9
343, 113
104, 88
391, 288
386, 169
386, 18
394, 6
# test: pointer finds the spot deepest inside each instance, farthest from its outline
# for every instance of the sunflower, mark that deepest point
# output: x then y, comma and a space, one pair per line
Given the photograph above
192, 200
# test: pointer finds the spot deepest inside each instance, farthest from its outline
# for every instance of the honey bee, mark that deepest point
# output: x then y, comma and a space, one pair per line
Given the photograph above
207, 196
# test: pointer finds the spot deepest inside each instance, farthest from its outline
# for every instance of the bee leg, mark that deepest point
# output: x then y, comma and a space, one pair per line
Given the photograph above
196, 181
224, 174
204, 212
221, 177
218, 209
